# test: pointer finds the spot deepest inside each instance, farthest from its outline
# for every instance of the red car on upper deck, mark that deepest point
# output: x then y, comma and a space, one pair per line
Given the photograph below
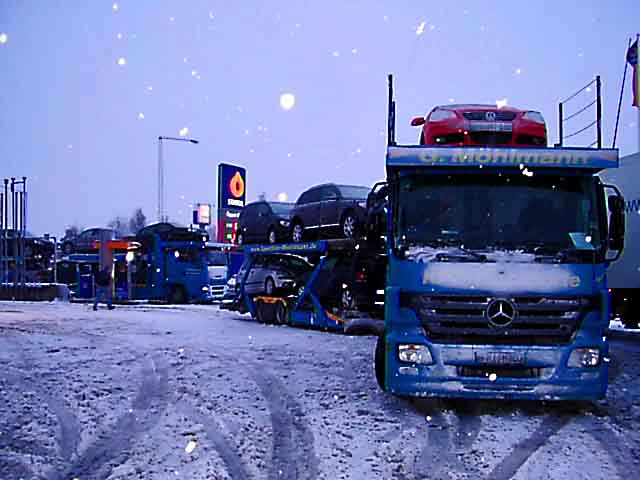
482, 125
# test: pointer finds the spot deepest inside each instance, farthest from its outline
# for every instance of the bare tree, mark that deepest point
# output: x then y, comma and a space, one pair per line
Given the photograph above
137, 221
72, 231
119, 226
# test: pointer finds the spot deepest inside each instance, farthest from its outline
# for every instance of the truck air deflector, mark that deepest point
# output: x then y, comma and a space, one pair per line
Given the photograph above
420, 156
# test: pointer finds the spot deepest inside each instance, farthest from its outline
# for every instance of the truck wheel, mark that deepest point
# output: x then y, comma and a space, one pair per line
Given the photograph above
379, 363
177, 295
297, 232
271, 236
349, 225
269, 286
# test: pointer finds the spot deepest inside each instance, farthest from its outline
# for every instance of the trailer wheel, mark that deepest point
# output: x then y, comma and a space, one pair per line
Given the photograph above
280, 314
379, 363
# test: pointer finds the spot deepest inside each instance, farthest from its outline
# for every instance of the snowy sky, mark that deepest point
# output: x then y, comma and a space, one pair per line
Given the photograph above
89, 86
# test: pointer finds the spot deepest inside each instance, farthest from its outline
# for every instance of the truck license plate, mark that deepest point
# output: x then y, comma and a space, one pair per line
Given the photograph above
500, 358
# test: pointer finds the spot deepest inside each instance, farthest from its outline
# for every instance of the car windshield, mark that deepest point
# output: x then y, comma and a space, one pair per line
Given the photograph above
498, 211
281, 209
348, 191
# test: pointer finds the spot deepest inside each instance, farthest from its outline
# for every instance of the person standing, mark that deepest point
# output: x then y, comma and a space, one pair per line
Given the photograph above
103, 288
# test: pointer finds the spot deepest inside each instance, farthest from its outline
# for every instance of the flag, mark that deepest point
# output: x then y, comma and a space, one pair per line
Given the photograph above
632, 58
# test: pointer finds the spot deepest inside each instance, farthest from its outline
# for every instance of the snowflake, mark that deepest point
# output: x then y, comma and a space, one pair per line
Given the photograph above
4, 38
287, 101
184, 132
115, 7
420, 29
141, 116
122, 61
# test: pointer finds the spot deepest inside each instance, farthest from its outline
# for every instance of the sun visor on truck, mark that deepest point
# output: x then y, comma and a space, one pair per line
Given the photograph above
414, 156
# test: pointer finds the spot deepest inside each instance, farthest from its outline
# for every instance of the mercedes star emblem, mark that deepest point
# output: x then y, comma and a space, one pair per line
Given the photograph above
501, 312
490, 116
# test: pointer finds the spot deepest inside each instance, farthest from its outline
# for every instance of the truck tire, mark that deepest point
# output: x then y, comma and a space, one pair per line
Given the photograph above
177, 295
379, 363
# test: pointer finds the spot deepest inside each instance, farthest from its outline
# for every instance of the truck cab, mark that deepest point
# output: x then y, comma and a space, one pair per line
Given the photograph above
496, 284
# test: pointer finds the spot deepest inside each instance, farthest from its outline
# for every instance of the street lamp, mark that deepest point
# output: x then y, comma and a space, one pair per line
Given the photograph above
161, 215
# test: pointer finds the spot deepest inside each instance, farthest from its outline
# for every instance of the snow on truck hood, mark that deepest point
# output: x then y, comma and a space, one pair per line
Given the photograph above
503, 272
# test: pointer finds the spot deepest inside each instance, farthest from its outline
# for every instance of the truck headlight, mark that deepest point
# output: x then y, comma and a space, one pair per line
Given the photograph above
584, 357
412, 353
284, 223
205, 288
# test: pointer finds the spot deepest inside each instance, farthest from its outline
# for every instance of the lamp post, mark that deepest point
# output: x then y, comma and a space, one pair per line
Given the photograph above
161, 215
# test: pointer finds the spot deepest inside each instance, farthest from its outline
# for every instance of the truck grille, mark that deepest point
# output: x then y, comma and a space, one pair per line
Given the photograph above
481, 115
463, 319
501, 372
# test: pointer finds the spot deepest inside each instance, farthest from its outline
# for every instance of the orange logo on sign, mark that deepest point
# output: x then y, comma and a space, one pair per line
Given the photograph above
236, 185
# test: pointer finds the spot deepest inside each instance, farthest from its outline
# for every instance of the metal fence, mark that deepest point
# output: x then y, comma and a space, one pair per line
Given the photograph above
13, 232
577, 112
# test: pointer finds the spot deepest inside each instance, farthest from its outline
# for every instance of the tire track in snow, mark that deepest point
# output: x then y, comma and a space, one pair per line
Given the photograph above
93, 463
551, 424
220, 442
293, 455
68, 435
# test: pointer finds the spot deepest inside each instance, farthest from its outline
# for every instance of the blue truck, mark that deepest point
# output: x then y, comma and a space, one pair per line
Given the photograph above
497, 272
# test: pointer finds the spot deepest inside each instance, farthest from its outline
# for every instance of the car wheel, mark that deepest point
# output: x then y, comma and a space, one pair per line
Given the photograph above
379, 363
67, 248
297, 232
349, 225
240, 240
271, 236
269, 286
346, 299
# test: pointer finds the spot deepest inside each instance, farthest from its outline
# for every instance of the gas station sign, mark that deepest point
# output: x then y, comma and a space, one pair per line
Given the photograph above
232, 183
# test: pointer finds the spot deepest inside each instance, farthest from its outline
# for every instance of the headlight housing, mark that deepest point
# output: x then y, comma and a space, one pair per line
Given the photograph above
584, 358
413, 353
285, 223
441, 114
534, 117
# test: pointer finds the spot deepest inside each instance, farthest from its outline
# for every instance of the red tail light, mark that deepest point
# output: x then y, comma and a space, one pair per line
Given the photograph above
361, 276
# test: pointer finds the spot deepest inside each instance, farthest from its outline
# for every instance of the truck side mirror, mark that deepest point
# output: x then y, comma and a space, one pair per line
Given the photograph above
417, 121
616, 222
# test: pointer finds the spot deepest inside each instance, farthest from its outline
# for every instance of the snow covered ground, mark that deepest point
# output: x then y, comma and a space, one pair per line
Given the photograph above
156, 392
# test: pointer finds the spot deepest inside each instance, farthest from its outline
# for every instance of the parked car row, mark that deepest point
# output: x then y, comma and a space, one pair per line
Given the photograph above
322, 211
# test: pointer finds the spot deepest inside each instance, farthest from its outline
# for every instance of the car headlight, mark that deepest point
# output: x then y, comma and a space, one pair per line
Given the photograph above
534, 117
362, 204
412, 353
285, 223
232, 282
584, 358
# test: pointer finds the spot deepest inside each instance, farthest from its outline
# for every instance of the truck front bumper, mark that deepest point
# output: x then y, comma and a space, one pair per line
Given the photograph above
535, 373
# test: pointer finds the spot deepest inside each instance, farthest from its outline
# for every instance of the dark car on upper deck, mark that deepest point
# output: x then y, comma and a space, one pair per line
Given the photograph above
264, 222
330, 210
482, 125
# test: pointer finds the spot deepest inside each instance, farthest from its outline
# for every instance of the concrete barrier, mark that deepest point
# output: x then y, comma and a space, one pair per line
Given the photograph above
34, 292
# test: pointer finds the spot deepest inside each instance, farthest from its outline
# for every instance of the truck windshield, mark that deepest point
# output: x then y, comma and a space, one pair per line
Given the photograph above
511, 212
216, 258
